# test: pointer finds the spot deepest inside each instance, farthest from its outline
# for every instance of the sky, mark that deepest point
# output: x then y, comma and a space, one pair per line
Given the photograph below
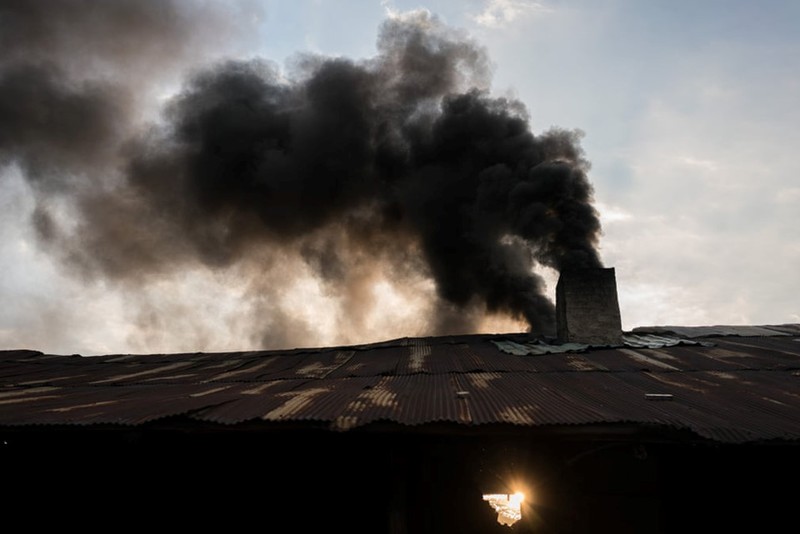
688, 114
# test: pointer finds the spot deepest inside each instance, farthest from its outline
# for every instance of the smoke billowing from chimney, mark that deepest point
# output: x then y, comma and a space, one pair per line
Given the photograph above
402, 164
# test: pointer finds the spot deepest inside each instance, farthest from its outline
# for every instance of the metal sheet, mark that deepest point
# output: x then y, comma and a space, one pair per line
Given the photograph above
739, 389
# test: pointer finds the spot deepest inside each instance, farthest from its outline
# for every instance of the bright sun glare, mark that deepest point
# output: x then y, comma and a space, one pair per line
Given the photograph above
507, 506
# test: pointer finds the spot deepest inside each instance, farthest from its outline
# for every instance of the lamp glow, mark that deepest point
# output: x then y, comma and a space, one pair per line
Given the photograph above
507, 506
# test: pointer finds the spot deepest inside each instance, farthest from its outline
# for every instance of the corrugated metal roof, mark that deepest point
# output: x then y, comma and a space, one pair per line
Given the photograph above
723, 330
721, 386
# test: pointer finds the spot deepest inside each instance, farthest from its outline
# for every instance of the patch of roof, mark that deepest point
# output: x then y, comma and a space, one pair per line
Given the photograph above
729, 388
722, 330
538, 346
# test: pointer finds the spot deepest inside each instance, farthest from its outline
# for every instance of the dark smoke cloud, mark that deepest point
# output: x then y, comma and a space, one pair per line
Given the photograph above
72, 73
91, 37
54, 127
400, 166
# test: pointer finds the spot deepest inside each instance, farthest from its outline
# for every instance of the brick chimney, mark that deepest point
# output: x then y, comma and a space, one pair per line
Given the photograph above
587, 309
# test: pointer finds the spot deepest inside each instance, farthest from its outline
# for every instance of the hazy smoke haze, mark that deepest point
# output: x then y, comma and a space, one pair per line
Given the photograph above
398, 174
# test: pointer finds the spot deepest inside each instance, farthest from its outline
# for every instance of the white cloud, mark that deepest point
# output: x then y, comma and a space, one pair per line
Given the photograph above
498, 13
711, 232
703, 164
610, 214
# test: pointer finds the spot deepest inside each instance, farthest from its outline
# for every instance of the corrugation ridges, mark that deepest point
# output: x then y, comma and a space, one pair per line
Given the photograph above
740, 389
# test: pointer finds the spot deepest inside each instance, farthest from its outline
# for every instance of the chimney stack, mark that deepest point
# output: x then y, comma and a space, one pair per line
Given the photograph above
587, 309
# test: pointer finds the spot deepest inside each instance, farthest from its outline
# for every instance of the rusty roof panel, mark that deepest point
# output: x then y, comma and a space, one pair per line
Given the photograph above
480, 355
424, 398
317, 365
778, 353
252, 401
128, 405
741, 388
527, 399
239, 369
374, 400
377, 362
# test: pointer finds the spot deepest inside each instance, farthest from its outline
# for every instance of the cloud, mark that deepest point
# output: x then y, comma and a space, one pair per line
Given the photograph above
710, 237
499, 13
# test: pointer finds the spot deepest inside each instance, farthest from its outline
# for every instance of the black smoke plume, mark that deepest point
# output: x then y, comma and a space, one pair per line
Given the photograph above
402, 163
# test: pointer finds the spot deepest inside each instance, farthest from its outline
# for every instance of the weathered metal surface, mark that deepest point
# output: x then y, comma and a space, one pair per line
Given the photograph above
734, 389
720, 330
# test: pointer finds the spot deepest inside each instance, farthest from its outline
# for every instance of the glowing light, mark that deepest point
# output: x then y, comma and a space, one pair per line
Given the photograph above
507, 506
